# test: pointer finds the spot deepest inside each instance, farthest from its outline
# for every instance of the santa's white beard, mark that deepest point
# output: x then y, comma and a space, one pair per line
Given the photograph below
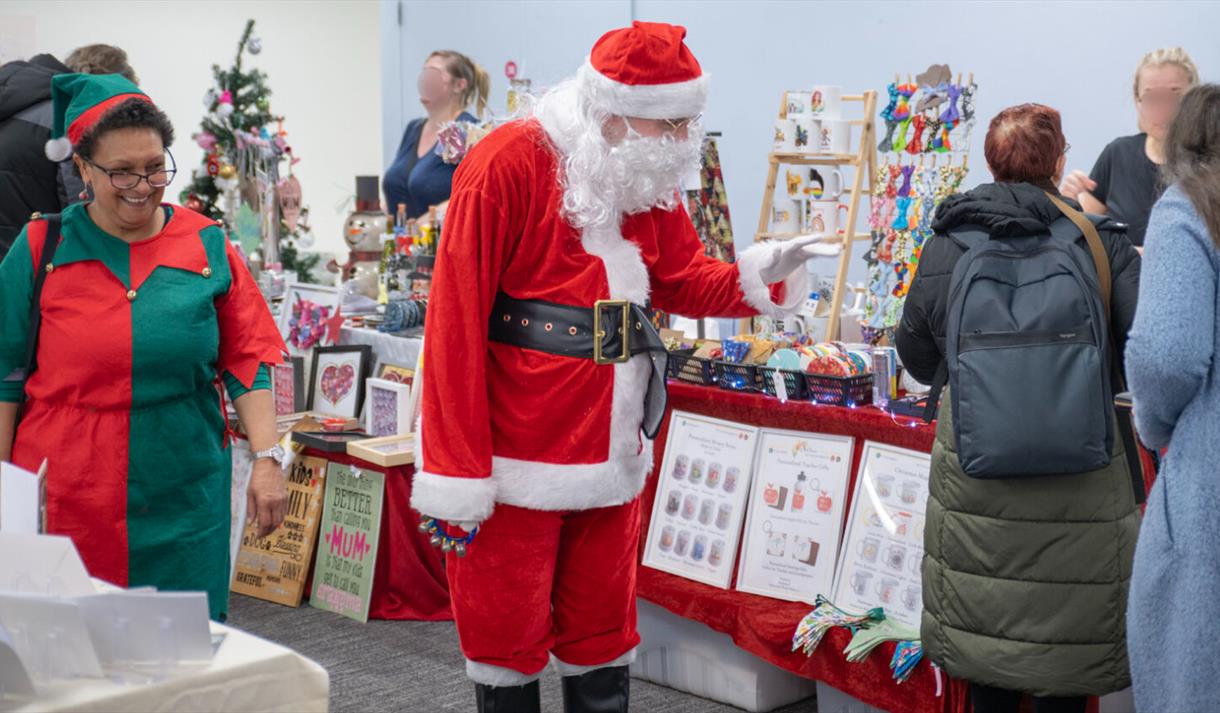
601, 181
641, 173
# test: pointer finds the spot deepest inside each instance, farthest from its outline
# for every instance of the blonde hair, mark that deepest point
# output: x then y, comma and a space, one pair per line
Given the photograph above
1175, 56
478, 81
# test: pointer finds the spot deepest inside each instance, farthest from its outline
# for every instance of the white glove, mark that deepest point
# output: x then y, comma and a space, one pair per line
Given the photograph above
787, 256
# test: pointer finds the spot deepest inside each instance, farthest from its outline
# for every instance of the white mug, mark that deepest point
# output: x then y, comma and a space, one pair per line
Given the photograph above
823, 183
794, 182
784, 215
805, 138
834, 136
822, 217
825, 102
798, 103
785, 136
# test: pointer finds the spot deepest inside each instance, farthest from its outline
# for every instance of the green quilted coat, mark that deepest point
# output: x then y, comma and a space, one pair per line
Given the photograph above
1025, 580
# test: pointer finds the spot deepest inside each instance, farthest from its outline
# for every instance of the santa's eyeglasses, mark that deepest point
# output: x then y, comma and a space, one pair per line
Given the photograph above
667, 127
676, 125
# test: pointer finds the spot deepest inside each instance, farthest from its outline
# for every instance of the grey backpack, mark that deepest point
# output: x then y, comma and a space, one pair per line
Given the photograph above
1028, 352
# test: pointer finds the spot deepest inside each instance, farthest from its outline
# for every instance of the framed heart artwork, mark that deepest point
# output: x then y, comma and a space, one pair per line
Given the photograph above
336, 384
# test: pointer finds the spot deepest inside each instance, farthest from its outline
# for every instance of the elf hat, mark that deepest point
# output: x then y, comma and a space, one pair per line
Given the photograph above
644, 71
78, 102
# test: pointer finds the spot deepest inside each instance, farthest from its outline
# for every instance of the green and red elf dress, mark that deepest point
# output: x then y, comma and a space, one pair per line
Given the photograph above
124, 403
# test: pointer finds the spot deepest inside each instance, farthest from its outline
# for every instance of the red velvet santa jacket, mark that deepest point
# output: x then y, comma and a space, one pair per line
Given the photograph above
505, 424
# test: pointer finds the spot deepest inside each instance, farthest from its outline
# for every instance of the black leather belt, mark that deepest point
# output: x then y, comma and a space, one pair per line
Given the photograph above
610, 332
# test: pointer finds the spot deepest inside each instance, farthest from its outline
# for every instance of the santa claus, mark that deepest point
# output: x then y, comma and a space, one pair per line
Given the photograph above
543, 381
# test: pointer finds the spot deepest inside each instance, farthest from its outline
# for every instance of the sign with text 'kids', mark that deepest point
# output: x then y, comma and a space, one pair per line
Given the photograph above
347, 548
275, 567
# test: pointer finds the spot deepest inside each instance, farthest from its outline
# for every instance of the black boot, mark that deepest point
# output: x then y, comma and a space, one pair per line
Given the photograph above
508, 699
602, 690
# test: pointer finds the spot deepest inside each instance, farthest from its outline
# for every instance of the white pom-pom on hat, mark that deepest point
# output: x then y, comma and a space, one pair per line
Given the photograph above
59, 149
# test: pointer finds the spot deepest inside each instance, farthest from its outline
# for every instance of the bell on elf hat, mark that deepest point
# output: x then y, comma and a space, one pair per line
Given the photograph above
78, 102
644, 71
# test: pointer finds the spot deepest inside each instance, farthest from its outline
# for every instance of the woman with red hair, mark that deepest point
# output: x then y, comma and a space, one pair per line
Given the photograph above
1024, 579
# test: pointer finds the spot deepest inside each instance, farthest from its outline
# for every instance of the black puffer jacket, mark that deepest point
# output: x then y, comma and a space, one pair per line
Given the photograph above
28, 181
1003, 210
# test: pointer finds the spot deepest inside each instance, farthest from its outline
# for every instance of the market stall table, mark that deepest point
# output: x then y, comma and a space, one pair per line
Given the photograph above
764, 626
247, 674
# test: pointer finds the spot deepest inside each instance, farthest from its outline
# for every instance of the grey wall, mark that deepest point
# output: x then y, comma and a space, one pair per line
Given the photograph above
1076, 56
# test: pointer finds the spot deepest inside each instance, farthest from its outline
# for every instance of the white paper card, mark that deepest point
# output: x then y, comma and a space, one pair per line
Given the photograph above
143, 627
14, 679
795, 515
700, 504
50, 636
880, 563
47, 565
20, 500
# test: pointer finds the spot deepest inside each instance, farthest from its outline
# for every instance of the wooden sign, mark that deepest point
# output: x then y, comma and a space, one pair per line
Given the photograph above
275, 567
347, 550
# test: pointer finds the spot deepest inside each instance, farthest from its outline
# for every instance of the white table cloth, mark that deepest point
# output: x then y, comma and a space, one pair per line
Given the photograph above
248, 674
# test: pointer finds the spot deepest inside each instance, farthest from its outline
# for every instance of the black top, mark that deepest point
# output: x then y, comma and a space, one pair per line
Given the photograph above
28, 181
418, 181
1003, 210
1128, 182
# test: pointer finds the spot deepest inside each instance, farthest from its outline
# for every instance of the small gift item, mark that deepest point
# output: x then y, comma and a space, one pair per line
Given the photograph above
826, 616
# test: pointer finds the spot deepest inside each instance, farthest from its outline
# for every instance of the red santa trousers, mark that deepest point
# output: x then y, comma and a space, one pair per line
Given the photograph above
536, 584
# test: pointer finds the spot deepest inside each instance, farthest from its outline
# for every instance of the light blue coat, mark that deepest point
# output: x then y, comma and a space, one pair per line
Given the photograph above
1173, 617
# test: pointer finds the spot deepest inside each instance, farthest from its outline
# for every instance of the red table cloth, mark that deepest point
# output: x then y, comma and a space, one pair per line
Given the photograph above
764, 626
409, 578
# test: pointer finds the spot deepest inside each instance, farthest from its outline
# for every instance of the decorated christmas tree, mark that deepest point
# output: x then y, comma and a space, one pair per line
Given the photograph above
240, 182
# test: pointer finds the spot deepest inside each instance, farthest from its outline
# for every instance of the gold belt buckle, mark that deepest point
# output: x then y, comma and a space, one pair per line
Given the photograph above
599, 334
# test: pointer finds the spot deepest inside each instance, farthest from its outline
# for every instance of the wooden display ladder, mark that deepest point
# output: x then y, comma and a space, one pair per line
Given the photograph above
864, 160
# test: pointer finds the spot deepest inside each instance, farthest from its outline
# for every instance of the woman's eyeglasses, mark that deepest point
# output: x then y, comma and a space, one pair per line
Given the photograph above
125, 180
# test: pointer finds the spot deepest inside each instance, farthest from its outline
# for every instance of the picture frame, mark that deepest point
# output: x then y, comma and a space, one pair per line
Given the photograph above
387, 407
389, 451
415, 403
288, 386
326, 297
336, 384
395, 373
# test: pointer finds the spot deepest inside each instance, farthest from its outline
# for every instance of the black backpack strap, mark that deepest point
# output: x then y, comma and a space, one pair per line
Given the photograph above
938, 385
966, 237
50, 243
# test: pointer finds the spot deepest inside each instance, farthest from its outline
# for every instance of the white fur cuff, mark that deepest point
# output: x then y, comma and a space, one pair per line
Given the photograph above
757, 294
451, 498
498, 676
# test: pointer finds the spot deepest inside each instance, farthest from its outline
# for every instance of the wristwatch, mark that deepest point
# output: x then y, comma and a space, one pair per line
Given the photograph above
275, 453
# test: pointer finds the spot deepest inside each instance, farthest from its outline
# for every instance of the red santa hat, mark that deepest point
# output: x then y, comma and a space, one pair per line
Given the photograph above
645, 71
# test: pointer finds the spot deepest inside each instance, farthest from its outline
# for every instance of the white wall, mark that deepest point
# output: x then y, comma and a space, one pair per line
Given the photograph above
1075, 56
547, 39
322, 59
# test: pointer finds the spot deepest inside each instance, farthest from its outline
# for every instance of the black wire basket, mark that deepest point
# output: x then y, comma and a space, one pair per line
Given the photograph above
795, 383
685, 366
737, 377
840, 390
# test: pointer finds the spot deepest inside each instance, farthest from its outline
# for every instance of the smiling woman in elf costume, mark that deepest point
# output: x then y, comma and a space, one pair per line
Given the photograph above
144, 307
